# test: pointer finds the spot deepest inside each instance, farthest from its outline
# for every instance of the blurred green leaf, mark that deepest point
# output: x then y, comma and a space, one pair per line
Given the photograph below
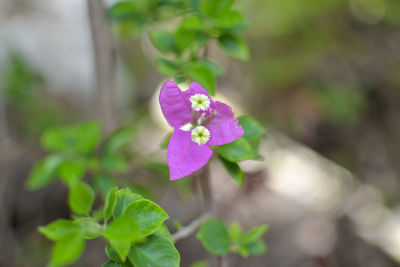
253, 131
103, 182
199, 264
165, 141
254, 234
214, 68
167, 67
124, 197
111, 263
233, 169
148, 216
203, 75
115, 163
235, 233
111, 201
72, 170
122, 10
60, 229
234, 46
164, 41
80, 139
91, 229
81, 198
232, 20
158, 251
118, 140
158, 168
44, 172
213, 234
212, 8
112, 254
164, 232
67, 250
257, 248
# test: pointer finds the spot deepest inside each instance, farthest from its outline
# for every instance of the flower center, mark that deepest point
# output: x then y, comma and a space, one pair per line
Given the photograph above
200, 102
200, 135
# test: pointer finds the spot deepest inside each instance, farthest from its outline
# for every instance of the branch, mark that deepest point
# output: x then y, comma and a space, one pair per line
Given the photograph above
190, 228
104, 62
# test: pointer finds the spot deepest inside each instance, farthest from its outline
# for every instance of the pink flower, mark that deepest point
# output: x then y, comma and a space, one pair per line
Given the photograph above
198, 123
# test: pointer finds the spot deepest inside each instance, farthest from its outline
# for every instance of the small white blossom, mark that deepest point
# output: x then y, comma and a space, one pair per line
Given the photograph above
200, 135
200, 102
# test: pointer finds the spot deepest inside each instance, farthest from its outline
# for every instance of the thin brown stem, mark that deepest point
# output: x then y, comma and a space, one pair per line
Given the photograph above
104, 62
222, 261
190, 228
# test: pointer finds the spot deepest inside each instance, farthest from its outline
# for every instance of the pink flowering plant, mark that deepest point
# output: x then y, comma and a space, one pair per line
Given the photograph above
125, 215
199, 123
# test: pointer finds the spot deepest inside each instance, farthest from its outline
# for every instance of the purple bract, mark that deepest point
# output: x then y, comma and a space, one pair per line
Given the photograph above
198, 123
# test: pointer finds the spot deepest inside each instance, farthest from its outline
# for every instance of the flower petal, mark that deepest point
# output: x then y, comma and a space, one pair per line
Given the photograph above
184, 156
224, 128
174, 105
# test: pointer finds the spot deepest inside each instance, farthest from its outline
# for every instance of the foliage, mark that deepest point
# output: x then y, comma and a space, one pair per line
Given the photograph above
131, 224
220, 240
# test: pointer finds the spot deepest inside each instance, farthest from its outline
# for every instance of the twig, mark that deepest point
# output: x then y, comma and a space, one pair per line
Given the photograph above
104, 62
222, 261
190, 228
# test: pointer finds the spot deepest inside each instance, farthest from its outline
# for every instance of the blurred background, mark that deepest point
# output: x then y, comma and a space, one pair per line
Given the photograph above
323, 78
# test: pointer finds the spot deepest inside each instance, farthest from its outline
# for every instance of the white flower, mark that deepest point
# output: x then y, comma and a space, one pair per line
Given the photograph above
200, 102
200, 135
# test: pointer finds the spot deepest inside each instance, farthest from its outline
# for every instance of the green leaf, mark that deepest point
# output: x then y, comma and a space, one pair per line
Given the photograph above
148, 215
254, 234
91, 229
234, 46
232, 20
81, 139
214, 68
124, 197
81, 198
192, 23
212, 8
121, 247
123, 229
257, 248
164, 41
253, 131
60, 229
165, 141
178, 80
112, 253
166, 67
122, 10
111, 201
72, 170
118, 140
164, 232
44, 172
238, 150
114, 163
233, 169
158, 251
103, 182
235, 233
203, 75
199, 264
213, 234
67, 250
111, 263
158, 168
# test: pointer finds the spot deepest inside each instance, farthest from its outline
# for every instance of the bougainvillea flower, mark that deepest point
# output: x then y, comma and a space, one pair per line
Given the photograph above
199, 122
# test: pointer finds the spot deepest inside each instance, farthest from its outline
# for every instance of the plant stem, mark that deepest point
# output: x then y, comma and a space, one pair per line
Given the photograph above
190, 228
222, 261
104, 63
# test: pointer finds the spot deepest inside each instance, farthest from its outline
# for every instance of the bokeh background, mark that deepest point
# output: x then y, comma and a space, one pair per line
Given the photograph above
323, 78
